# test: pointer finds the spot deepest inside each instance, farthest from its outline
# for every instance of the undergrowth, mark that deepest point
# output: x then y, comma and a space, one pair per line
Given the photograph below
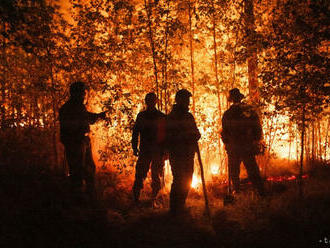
38, 210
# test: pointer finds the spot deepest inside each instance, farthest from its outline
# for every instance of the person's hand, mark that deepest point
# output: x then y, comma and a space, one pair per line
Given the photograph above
102, 115
166, 155
136, 152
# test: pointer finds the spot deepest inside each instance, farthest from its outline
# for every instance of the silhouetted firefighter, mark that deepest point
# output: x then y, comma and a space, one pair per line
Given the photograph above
241, 134
182, 137
74, 128
150, 126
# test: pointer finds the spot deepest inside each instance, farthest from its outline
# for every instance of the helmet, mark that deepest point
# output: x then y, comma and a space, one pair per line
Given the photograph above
235, 95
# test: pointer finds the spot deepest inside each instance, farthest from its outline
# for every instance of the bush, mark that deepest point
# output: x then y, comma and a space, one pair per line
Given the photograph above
28, 146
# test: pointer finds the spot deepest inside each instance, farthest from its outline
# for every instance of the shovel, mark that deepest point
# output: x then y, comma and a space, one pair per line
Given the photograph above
207, 207
229, 197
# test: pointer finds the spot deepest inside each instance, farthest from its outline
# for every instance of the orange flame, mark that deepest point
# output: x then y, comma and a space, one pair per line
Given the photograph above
215, 169
195, 182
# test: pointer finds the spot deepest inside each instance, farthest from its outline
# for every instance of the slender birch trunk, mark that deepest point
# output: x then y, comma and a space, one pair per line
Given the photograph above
152, 44
217, 81
3, 80
191, 36
166, 59
301, 168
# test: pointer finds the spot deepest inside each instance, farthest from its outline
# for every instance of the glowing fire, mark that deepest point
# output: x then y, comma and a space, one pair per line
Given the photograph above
196, 181
285, 178
215, 169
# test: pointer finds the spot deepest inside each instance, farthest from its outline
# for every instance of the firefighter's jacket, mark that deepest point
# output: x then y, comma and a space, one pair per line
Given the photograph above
150, 126
181, 133
75, 121
241, 129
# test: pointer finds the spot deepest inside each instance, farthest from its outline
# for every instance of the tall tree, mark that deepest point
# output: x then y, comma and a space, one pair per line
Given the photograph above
296, 65
251, 50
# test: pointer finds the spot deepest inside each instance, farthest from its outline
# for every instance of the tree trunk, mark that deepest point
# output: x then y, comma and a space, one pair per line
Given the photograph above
3, 80
319, 142
307, 145
313, 142
55, 110
152, 44
165, 62
191, 56
301, 169
216, 76
290, 141
252, 52
326, 145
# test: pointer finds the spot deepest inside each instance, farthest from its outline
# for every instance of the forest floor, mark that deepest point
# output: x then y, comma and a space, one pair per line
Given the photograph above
37, 210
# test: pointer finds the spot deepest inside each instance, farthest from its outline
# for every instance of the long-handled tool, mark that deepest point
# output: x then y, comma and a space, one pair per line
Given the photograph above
229, 198
207, 208
65, 166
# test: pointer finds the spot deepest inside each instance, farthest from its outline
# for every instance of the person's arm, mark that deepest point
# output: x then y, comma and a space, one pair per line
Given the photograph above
161, 129
224, 132
257, 131
135, 135
168, 133
93, 117
197, 134
194, 132
62, 125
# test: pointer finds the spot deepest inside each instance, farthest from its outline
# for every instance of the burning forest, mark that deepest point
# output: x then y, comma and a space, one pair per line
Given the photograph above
188, 123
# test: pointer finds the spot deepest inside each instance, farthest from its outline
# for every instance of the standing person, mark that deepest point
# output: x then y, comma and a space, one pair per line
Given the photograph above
150, 126
74, 128
182, 136
241, 134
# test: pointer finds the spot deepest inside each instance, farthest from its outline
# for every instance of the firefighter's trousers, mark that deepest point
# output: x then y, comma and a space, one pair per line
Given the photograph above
81, 164
153, 159
250, 163
182, 170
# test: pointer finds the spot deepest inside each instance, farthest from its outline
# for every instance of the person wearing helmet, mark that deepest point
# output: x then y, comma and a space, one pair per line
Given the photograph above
150, 126
182, 136
241, 134
74, 128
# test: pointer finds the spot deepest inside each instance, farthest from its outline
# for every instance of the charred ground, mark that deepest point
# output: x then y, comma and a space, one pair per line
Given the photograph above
37, 210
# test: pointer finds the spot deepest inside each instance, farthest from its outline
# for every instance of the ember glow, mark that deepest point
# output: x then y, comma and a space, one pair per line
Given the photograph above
285, 178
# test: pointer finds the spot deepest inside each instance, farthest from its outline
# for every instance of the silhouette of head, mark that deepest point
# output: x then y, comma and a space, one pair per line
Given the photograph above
182, 98
235, 95
77, 90
151, 100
